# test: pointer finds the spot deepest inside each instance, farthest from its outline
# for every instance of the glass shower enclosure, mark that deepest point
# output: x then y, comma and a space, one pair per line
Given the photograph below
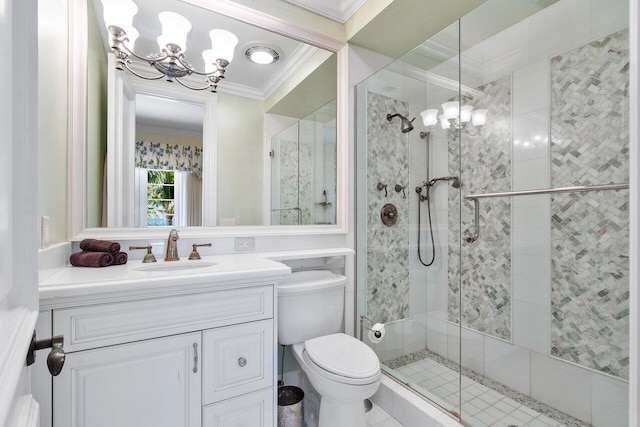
303, 170
502, 305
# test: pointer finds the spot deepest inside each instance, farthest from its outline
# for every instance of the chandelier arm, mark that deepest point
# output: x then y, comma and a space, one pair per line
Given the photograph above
126, 65
145, 58
192, 70
476, 133
192, 87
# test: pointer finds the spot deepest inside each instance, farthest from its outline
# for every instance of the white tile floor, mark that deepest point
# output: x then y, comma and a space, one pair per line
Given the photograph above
481, 406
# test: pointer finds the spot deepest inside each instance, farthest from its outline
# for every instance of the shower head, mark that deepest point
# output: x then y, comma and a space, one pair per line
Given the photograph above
406, 125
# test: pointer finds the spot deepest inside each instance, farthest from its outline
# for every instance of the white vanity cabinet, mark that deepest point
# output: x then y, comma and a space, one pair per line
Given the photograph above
200, 359
148, 383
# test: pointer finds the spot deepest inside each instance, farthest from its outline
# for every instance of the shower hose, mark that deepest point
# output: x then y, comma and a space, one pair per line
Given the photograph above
433, 245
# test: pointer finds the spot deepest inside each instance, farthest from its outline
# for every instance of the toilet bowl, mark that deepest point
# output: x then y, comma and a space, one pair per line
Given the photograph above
343, 378
342, 369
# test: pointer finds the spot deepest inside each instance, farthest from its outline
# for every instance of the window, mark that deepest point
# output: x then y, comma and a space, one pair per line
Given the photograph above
160, 197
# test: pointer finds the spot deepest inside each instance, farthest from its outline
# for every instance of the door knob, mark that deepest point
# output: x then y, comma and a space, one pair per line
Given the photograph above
56, 357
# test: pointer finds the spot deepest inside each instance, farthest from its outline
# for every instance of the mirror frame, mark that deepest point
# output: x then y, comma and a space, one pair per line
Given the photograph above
77, 130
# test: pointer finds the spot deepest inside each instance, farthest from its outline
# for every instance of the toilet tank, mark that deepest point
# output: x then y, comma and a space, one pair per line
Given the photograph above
310, 305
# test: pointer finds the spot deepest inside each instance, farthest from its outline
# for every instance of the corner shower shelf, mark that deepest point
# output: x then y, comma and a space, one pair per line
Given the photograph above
577, 189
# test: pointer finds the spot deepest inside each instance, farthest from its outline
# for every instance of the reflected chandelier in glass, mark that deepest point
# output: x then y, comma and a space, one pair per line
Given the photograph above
170, 61
456, 115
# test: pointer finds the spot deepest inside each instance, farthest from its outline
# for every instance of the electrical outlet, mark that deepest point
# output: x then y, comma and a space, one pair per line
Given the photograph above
44, 232
245, 244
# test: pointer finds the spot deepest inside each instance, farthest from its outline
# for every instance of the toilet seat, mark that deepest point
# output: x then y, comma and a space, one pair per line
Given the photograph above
342, 358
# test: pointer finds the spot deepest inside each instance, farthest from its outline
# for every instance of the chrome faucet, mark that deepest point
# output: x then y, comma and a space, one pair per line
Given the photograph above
172, 246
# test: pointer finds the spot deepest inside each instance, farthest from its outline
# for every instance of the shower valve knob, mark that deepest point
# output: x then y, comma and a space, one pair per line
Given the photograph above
381, 187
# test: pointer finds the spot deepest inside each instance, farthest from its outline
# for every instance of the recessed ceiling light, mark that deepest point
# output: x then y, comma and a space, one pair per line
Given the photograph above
261, 55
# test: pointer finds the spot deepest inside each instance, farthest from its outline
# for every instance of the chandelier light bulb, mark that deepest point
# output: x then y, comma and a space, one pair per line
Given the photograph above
174, 30
444, 122
119, 13
451, 110
209, 61
479, 117
223, 44
465, 113
429, 117
132, 35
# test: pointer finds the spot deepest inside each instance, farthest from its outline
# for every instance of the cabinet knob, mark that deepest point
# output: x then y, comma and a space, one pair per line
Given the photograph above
242, 362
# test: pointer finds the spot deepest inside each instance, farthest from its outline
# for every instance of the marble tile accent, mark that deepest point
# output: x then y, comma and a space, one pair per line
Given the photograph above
289, 182
590, 232
387, 247
305, 181
485, 295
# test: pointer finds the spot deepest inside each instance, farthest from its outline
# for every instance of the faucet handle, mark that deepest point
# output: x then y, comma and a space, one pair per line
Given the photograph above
194, 253
149, 256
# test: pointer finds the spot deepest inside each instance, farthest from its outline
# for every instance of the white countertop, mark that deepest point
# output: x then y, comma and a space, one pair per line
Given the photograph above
83, 285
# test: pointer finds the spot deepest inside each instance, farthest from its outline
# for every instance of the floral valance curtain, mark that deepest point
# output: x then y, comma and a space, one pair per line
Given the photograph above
156, 155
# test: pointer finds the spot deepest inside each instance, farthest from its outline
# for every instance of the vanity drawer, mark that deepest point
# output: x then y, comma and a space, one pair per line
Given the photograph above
252, 410
237, 360
109, 324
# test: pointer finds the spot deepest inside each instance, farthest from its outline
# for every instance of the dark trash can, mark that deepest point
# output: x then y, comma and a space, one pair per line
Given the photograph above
290, 411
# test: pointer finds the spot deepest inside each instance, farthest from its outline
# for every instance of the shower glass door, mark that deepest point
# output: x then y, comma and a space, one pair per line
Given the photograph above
544, 287
408, 217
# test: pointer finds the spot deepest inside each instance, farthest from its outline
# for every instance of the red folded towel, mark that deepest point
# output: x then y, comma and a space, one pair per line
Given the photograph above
120, 258
91, 259
96, 245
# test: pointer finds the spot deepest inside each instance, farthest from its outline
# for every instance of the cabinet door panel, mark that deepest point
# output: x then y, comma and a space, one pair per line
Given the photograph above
144, 384
251, 410
237, 359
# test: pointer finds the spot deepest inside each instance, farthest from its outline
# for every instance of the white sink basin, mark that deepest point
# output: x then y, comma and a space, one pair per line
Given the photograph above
175, 266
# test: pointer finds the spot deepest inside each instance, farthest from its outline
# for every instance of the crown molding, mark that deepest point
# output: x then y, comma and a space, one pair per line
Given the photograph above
295, 60
340, 13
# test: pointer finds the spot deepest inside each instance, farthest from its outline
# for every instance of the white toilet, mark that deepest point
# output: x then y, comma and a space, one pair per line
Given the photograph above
342, 369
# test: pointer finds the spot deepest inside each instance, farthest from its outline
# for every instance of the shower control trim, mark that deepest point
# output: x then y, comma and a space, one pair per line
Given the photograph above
389, 215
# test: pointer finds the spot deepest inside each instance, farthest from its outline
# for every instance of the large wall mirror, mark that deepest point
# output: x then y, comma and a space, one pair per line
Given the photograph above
267, 148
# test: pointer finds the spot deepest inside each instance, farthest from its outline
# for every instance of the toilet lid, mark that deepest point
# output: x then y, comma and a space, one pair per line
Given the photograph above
343, 355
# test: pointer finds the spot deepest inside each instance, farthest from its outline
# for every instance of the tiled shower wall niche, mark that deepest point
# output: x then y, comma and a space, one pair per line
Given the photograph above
387, 247
590, 231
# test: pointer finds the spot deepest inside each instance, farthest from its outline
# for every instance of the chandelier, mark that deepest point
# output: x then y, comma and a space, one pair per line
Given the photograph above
454, 115
170, 61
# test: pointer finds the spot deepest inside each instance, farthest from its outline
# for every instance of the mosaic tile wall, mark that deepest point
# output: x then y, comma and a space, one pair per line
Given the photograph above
590, 231
288, 181
296, 170
387, 247
305, 181
486, 264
